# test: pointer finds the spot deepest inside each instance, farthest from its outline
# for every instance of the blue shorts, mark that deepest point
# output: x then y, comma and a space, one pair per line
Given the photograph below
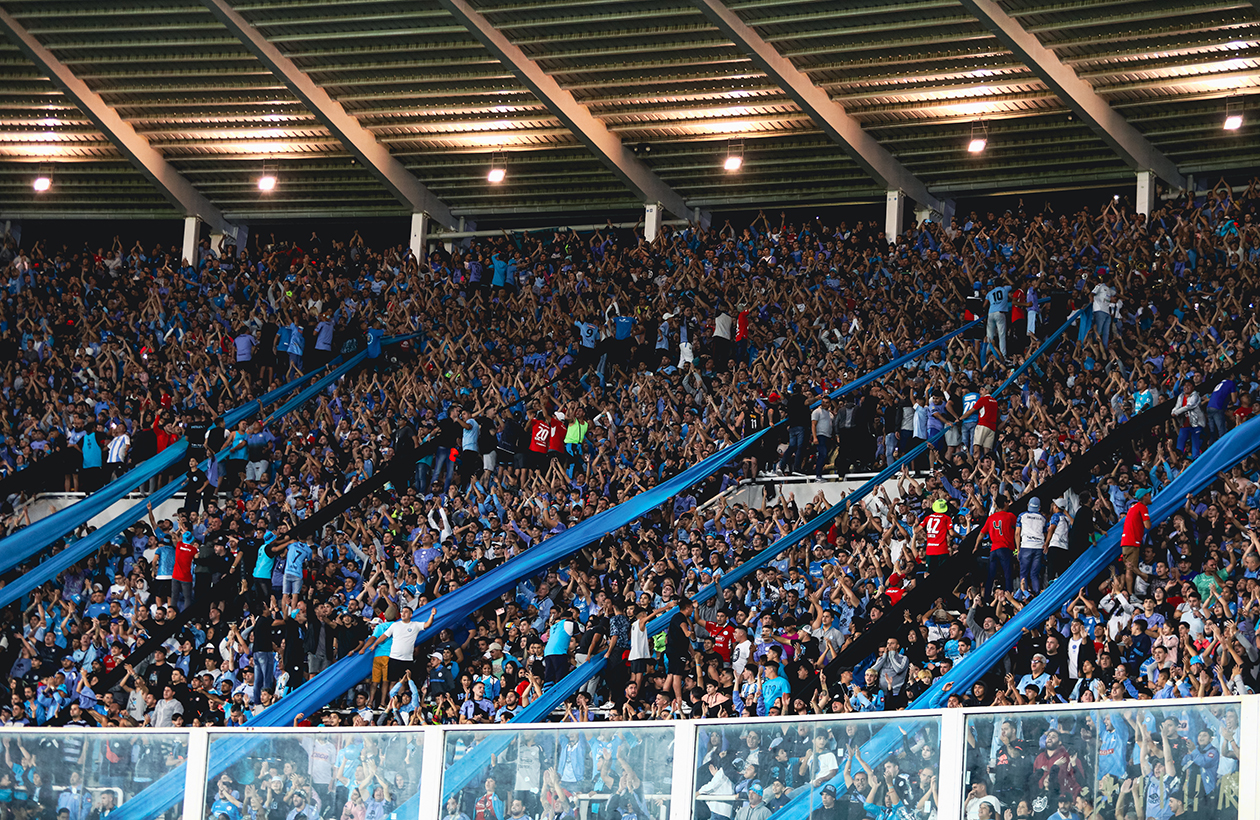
291, 585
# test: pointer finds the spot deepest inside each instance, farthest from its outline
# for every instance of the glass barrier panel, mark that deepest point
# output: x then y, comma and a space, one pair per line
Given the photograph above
1152, 762
822, 769
351, 774
575, 772
87, 772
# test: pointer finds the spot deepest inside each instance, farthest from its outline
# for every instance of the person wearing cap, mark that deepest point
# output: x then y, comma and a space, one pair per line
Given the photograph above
269, 549
938, 526
1137, 520
755, 808
830, 808
1059, 525
1030, 535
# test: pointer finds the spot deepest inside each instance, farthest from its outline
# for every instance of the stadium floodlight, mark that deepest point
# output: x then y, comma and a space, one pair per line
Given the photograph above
266, 182
979, 138
498, 168
42, 183
1233, 115
734, 156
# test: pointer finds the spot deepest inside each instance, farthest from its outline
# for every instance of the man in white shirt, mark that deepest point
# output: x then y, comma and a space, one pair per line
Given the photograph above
1102, 311
821, 425
119, 447
741, 652
723, 329
402, 634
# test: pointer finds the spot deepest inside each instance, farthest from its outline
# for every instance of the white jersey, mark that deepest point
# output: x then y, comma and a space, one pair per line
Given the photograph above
1032, 530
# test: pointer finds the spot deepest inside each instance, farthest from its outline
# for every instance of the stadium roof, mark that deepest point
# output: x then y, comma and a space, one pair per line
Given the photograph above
163, 108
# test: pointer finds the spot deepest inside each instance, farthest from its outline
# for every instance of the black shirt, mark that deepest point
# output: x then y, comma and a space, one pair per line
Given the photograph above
677, 643
196, 480
797, 411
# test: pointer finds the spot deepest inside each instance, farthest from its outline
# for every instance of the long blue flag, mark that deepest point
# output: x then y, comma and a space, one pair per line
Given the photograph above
1231, 449
452, 609
30, 540
81, 549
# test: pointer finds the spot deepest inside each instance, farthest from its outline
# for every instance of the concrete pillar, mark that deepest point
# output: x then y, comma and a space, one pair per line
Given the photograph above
450, 243
651, 220
1145, 192
191, 224
895, 215
419, 230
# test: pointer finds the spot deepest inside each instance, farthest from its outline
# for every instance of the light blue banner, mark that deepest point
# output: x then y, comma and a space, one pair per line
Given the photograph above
1229, 450
452, 609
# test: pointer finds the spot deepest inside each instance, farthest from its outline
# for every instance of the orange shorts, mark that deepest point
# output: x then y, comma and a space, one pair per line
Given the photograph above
380, 669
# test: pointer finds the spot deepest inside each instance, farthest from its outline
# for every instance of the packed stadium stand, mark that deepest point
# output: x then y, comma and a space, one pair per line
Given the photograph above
629, 410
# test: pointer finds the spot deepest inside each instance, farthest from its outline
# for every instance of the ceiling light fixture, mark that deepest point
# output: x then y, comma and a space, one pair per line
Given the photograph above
979, 137
498, 168
734, 156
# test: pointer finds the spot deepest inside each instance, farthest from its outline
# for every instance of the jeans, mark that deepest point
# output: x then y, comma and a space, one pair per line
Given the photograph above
574, 452
1031, 563
969, 435
1000, 560
1218, 422
182, 594
995, 330
1102, 326
445, 468
424, 474
890, 448
264, 672
824, 446
1192, 434
796, 449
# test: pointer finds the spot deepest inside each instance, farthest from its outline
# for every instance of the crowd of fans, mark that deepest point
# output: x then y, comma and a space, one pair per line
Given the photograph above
635, 360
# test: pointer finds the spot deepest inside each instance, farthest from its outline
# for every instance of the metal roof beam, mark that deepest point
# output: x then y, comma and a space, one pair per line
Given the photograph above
592, 132
830, 116
1135, 149
136, 148
357, 139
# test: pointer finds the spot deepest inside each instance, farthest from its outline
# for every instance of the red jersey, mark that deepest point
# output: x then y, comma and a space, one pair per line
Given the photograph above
723, 637
184, 555
539, 435
1019, 301
558, 431
1001, 531
938, 526
987, 408
1135, 521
